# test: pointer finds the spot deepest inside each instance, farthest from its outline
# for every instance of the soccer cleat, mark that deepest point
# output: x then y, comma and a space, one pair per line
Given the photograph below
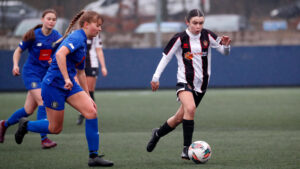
153, 141
185, 153
99, 161
2, 131
80, 119
22, 130
47, 143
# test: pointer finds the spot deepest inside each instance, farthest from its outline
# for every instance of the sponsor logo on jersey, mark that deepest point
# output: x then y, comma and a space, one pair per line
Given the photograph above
39, 44
54, 104
33, 84
71, 45
188, 55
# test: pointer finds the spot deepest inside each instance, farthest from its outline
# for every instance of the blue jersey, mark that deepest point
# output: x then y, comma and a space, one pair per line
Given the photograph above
39, 49
76, 43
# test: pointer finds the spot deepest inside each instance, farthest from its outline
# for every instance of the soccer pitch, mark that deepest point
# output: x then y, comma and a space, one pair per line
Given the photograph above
247, 128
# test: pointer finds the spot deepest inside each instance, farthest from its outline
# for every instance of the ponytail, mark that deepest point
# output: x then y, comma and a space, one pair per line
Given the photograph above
29, 35
68, 30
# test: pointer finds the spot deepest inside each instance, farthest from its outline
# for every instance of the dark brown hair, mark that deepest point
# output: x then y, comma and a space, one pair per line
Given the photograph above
29, 35
193, 13
81, 17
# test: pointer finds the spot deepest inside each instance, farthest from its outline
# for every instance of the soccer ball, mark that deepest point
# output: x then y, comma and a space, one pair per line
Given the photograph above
199, 152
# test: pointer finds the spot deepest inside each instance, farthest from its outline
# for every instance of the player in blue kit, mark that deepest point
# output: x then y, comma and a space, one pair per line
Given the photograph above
39, 42
59, 86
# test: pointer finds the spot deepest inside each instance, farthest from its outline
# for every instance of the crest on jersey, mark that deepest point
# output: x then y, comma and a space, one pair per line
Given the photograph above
188, 55
33, 84
205, 44
185, 45
54, 104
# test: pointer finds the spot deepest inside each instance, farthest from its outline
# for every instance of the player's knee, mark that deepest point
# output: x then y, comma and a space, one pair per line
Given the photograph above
178, 119
190, 109
55, 129
91, 113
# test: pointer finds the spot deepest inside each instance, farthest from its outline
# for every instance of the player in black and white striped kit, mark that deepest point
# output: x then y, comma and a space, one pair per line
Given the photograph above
94, 56
192, 49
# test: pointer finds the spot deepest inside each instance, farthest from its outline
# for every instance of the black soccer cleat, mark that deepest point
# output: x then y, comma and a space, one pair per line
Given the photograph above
80, 119
153, 141
99, 161
185, 153
22, 130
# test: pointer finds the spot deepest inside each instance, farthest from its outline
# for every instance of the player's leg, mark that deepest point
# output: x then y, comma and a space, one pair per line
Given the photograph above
29, 107
54, 100
166, 128
91, 82
42, 115
83, 103
189, 109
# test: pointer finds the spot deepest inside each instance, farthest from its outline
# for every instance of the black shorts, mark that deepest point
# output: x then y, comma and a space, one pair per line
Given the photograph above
185, 87
89, 71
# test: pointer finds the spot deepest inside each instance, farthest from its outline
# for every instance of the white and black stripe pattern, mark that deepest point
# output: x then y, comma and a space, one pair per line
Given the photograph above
193, 53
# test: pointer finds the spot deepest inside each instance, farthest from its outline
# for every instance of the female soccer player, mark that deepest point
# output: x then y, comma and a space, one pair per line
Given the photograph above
193, 52
39, 42
95, 53
59, 86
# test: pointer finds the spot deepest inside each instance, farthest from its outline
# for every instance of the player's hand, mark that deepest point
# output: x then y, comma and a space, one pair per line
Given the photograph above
50, 61
225, 40
104, 71
68, 84
16, 71
154, 86
94, 104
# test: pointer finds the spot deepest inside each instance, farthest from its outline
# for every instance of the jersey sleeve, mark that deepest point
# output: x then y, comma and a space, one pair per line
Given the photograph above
72, 43
98, 42
25, 44
215, 42
168, 53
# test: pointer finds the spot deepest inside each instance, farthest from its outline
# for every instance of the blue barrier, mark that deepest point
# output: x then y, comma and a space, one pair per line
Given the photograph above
133, 68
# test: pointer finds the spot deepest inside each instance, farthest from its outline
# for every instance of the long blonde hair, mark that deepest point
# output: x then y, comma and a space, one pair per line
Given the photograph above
81, 17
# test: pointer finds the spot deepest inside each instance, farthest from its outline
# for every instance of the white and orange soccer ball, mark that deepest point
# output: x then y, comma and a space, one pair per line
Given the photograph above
199, 152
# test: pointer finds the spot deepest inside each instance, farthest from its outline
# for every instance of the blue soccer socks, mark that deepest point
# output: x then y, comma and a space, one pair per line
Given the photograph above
92, 135
39, 126
14, 118
42, 115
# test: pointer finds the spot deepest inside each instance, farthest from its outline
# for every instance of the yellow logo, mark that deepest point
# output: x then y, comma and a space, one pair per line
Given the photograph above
33, 84
54, 104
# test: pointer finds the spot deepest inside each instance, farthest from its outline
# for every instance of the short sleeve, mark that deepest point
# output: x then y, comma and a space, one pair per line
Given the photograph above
72, 43
25, 44
98, 42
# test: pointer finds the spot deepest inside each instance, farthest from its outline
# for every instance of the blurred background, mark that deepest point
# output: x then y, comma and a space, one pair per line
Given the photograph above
265, 38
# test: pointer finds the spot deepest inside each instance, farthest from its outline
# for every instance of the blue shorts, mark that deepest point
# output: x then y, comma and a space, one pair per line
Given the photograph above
55, 97
32, 79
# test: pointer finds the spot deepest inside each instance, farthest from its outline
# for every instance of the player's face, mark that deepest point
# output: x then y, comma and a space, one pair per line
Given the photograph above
49, 20
195, 24
94, 28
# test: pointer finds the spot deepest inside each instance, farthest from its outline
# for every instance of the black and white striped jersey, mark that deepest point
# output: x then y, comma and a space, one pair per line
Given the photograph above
193, 53
92, 58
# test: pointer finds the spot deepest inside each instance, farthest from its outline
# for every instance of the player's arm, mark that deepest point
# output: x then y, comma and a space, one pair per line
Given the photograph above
16, 59
61, 58
101, 59
168, 53
221, 44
